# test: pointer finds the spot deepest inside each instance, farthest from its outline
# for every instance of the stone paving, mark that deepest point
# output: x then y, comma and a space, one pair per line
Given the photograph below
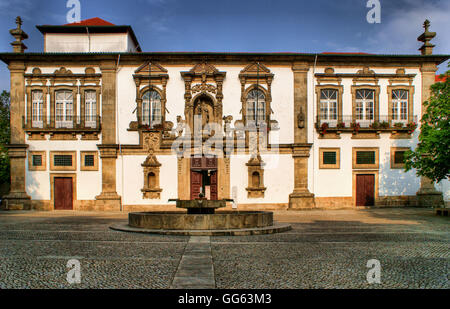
325, 249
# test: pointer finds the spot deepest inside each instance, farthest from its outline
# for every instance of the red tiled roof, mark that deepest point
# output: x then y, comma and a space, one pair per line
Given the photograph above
340, 53
438, 78
91, 22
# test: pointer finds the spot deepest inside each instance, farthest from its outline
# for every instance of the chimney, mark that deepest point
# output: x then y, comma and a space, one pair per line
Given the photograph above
427, 47
19, 35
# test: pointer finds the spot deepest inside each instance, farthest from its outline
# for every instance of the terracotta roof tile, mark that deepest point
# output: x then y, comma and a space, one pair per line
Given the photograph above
91, 22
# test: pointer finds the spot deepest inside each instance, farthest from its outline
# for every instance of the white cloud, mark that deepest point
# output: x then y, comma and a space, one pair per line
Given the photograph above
399, 33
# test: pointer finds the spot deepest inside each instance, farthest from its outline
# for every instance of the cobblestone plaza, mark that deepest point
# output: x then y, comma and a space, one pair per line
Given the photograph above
325, 249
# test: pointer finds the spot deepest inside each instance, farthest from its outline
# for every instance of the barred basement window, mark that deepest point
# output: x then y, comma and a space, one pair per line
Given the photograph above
62, 160
37, 160
329, 157
89, 160
365, 157
399, 157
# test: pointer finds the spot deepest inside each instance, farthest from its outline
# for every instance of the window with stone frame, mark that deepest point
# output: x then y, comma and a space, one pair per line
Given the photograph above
329, 105
37, 111
89, 160
365, 158
90, 108
63, 161
400, 101
329, 158
398, 157
151, 109
64, 109
365, 105
37, 161
256, 108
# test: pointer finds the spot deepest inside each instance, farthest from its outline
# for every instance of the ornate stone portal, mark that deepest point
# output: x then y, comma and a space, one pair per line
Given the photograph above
203, 94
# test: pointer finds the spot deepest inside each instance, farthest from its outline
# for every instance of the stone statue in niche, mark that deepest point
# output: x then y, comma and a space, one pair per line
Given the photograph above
301, 119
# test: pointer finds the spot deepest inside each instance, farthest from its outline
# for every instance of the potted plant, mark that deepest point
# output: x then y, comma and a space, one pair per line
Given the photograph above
356, 126
324, 127
341, 125
375, 125
398, 125
412, 126
384, 125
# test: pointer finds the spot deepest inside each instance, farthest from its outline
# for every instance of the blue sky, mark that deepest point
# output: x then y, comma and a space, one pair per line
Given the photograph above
245, 25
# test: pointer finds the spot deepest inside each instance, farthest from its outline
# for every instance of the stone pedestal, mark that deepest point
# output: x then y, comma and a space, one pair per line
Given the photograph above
428, 196
301, 198
108, 199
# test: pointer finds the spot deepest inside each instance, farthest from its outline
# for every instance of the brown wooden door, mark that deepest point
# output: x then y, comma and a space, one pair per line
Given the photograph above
196, 184
365, 190
214, 195
63, 192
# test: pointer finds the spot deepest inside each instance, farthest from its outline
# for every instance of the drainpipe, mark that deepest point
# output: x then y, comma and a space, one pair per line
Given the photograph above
314, 113
117, 131
89, 38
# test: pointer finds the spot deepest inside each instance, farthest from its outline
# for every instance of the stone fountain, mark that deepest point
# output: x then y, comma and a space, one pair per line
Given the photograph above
202, 219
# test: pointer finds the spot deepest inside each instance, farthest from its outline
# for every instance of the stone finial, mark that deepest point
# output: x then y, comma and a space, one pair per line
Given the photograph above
426, 37
19, 35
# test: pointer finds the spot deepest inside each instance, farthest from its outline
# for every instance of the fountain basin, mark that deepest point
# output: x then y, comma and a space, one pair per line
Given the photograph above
222, 220
201, 206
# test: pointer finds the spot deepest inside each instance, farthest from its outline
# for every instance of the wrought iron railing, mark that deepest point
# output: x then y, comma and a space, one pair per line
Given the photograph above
62, 123
350, 122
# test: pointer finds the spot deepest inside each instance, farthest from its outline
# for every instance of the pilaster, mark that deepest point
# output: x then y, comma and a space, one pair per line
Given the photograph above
301, 198
428, 195
108, 198
17, 199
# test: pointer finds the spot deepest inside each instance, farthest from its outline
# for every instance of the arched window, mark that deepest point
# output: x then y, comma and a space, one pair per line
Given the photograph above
365, 104
151, 109
400, 105
328, 104
256, 107
64, 108
151, 180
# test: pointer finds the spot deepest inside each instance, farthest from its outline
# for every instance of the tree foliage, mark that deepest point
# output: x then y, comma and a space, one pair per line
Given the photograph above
431, 158
5, 130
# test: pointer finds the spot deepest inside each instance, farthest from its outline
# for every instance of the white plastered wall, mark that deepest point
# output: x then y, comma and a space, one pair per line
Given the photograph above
278, 178
89, 183
392, 182
129, 186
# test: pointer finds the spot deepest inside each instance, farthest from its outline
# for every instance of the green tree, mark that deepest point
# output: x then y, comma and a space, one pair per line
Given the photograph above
4, 137
431, 158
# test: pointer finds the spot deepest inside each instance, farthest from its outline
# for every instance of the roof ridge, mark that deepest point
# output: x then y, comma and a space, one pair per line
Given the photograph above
95, 21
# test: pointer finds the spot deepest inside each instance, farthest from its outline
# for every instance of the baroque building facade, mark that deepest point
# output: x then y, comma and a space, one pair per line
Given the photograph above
97, 124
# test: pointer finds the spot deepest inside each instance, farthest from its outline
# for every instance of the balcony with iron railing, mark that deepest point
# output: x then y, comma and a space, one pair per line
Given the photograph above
62, 123
350, 123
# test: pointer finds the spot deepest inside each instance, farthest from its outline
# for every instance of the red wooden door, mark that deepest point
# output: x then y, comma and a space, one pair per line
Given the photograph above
365, 190
196, 184
63, 192
214, 195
